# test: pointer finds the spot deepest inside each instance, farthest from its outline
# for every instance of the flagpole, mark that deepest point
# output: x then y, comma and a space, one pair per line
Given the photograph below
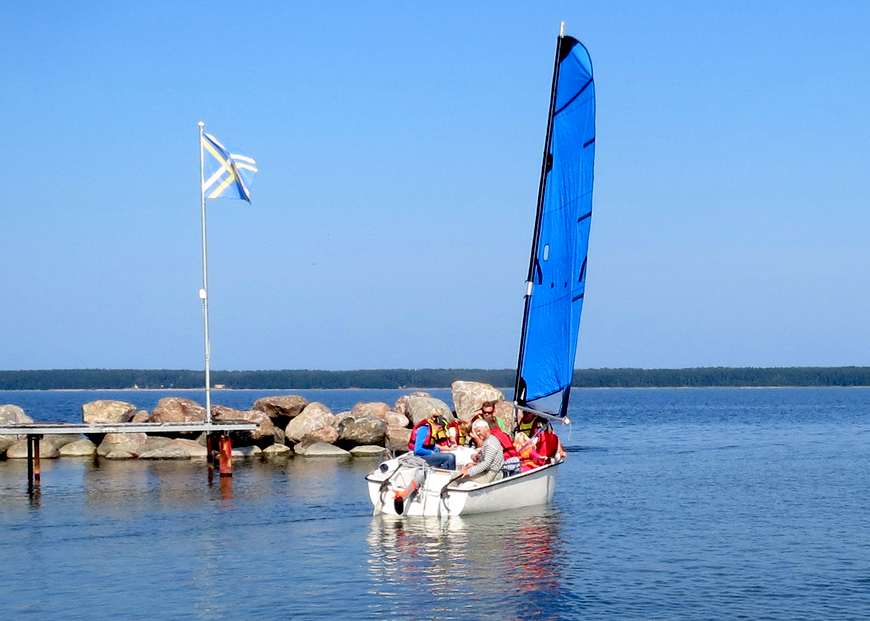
203, 293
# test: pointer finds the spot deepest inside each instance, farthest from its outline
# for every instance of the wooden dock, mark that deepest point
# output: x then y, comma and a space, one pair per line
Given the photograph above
35, 431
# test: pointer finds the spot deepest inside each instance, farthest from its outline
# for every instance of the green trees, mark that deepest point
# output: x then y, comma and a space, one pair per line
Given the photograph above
115, 379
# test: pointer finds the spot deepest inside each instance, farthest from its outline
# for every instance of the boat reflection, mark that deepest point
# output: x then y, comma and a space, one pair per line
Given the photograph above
506, 565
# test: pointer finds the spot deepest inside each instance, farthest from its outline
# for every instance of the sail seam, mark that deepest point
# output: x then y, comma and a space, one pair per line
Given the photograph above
570, 101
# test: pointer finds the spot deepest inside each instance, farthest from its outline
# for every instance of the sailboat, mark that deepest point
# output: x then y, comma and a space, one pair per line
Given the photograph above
555, 288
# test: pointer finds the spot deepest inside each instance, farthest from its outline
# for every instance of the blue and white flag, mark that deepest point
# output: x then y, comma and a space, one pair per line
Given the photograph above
225, 174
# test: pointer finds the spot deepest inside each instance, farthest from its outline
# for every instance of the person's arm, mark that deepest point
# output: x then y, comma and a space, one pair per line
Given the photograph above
419, 449
487, 459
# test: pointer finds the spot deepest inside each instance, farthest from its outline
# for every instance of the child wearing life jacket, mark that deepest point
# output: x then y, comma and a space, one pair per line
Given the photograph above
459, 432
529, 457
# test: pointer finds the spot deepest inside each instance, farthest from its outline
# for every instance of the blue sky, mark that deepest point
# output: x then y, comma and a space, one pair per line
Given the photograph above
399, 147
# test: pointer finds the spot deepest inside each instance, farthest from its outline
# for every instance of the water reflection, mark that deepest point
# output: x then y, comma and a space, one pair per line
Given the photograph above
505, 565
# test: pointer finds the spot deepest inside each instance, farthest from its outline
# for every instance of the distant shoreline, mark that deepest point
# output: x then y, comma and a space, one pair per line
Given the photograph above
411, 379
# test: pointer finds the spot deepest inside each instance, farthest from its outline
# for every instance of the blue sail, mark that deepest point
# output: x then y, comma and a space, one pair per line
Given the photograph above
557, 270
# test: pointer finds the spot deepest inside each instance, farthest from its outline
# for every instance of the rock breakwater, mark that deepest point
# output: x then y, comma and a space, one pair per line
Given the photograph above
287, 426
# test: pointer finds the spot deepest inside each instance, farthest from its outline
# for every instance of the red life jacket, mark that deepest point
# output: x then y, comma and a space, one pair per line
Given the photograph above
548, 444
430, 441
507, 445
427, 443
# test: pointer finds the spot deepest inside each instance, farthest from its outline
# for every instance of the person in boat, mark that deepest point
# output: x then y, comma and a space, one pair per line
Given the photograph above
530, 422
509, 453
424, 443
529, 457
487, 413
459, 433
489, 465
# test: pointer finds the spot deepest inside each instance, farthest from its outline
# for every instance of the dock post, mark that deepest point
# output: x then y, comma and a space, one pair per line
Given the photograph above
33, 466
29, 461
37, 469
209, 455
226, 456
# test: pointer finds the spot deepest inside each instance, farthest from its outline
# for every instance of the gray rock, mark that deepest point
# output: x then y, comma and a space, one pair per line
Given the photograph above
7, 441
121, 442
394, 419
321, 449
119, 455
60, 440
79, 448
108, 411
368, 451
246, 452
169, 451
469, 396
397, 439
192, 447
152, 443
401, 405
314, 416
420, 408
329, 435
13, 415
19, 450
277, 450
362, 429
263, 434
142, 416
281, 409
178, 410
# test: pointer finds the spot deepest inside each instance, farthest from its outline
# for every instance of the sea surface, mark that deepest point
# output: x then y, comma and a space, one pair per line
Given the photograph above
672, 504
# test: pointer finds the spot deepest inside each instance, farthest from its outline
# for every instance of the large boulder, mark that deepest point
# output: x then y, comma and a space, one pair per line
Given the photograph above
281, 409
327, 435
108, 411
314, 416
142, 416
420, 408
153, 443
361, 429
13, 415
368, 451
505, 411
7, 441
179, 448
263, 435
375, 408
397, 439
469, 396
277, 450
121, 442
60, 440
19, 450
178, 410
394, 419
79, 448
401, 405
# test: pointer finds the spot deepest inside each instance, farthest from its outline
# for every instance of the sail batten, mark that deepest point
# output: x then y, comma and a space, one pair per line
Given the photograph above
557, 268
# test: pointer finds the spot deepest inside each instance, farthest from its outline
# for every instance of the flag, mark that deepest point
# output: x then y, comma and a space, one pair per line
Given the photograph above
225, 174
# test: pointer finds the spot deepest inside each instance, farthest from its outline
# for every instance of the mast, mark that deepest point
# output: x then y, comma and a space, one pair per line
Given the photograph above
203, 293
519, 392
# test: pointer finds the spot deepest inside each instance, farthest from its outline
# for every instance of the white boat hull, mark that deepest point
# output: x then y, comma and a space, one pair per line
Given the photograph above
437, 496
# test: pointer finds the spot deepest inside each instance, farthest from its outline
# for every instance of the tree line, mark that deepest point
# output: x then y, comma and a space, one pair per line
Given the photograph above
700, 377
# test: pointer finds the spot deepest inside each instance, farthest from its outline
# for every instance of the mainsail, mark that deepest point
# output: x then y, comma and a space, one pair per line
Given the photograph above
557, 270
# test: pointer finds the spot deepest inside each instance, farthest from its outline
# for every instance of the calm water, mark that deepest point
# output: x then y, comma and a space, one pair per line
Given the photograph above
673, 504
